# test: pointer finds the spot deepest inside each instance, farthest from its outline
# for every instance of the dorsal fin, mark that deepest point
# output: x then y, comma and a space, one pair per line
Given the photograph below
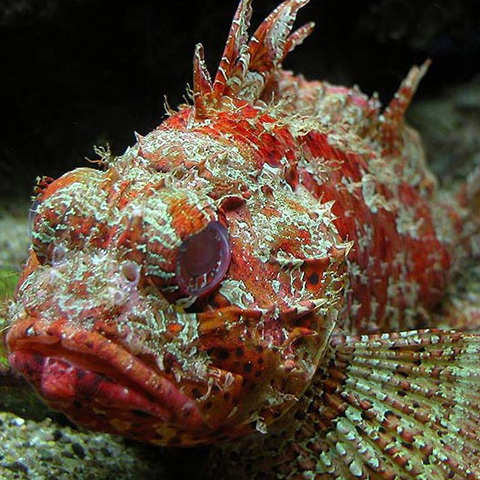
246, 66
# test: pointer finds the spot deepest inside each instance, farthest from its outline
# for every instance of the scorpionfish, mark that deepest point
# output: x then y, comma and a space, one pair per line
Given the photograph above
271, 271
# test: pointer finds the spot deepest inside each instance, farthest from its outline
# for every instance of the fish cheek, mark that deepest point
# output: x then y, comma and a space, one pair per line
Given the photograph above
275, 357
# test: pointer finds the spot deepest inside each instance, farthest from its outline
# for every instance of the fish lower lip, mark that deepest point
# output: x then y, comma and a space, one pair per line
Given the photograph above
96, 382
71, 388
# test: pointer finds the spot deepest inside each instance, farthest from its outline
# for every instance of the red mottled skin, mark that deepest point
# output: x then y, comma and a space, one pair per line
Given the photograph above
328, 241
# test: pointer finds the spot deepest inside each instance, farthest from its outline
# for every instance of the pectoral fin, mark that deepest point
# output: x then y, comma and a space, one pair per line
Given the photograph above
403, 405
391, 406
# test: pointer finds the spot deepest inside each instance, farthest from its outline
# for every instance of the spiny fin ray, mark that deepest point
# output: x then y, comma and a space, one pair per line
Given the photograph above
267, 47
390, 127
400, 412
202, 84
235, 58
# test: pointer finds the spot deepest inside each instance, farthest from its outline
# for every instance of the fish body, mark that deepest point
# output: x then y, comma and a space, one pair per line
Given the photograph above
254, 267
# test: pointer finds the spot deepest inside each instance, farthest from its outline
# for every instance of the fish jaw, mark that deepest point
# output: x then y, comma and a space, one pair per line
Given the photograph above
100, 385
91, 360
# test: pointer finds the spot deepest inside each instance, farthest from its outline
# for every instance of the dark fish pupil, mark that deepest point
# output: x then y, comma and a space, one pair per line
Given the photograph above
203, 260
201, 252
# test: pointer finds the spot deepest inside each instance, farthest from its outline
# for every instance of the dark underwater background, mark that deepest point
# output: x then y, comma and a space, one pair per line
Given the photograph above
79, 73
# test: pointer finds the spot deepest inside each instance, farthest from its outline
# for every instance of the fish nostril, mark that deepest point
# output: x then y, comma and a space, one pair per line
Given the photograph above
119, 297
58, 254
131, 272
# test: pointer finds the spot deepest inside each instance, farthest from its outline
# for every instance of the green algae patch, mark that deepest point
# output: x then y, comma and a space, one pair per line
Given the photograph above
8, 282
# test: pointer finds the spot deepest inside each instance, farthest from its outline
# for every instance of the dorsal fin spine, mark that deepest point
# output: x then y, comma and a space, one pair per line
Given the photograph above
234, 48
202, 83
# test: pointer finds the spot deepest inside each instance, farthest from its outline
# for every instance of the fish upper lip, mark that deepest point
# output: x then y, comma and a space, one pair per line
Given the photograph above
94, 353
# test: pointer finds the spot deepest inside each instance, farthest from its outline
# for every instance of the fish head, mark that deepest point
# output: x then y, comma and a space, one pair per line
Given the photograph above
172, 314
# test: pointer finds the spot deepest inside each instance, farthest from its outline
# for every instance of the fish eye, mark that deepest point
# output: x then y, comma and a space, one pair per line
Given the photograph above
203, 260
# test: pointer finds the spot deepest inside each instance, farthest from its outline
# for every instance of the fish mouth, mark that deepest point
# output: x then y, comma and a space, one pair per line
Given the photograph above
99, 384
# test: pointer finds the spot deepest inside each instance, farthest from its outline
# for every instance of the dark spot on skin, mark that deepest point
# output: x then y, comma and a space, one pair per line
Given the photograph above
219, 353
239, 352
248, 367
300, 415
259, 349
258, 373
251, 386
196, 393
89, 344
208, 405
226, 395
223, 354
260, 360
140, 413
313, 278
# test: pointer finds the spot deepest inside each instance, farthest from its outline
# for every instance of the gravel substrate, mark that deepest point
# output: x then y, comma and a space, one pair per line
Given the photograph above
45, 451
14, 240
